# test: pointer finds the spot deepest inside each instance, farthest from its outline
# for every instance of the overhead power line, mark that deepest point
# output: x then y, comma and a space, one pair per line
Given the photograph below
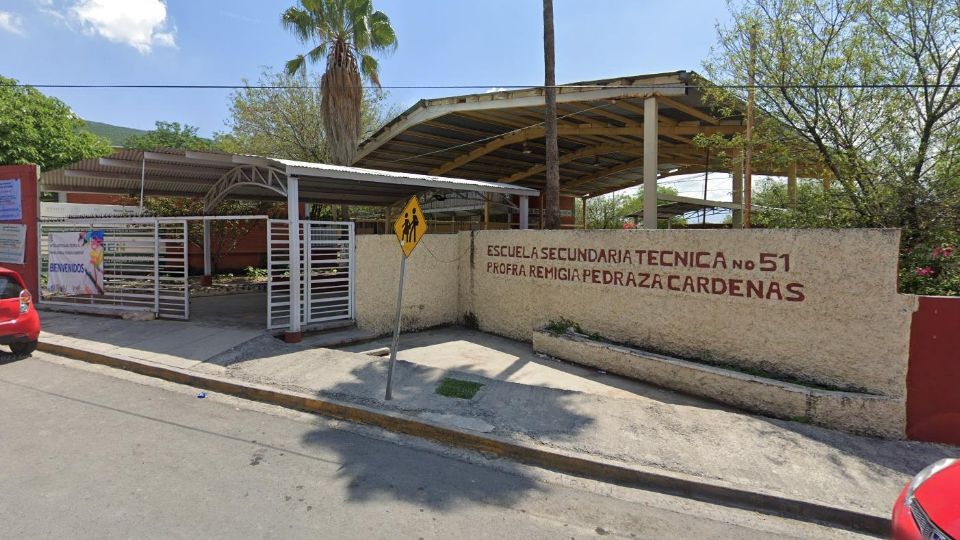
493, 87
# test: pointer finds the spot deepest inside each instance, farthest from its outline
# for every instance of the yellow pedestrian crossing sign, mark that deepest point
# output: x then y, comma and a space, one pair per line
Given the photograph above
410, 226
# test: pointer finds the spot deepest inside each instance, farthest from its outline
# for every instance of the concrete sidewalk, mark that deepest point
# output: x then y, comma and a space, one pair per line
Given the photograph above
648, 428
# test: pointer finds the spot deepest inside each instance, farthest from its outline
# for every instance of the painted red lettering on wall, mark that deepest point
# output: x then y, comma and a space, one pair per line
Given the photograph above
760, 286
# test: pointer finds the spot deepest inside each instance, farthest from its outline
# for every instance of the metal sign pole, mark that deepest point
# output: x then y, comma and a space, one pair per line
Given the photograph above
396, 332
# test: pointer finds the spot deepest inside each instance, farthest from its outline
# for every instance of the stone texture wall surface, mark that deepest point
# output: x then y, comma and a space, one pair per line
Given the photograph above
430, 294
819, 305
864, 414
834, 316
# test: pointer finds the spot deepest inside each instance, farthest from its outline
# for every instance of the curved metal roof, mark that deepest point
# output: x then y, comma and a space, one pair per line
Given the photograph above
498, 136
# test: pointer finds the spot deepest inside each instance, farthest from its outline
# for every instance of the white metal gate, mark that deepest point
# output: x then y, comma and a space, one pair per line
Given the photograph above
144, 266
326, 261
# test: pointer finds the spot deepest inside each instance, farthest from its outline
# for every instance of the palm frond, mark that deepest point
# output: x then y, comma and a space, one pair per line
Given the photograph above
299, 22
295, 65
370, 69
317, 53
382, 35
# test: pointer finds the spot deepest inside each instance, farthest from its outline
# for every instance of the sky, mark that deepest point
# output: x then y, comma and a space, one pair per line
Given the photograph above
487, 44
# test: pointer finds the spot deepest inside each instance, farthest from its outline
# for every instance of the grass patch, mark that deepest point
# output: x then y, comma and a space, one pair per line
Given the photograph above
455, 388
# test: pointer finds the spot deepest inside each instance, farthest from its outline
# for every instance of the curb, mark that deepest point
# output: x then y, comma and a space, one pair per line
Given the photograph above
713, 491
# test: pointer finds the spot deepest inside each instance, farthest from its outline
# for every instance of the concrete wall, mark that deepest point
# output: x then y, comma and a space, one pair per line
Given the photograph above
820, 306
431, 291
832, 317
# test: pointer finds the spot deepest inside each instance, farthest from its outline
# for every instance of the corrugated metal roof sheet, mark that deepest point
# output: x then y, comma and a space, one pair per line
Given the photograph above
185, 173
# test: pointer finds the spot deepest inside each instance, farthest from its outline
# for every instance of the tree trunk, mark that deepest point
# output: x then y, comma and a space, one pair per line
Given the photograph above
552, 191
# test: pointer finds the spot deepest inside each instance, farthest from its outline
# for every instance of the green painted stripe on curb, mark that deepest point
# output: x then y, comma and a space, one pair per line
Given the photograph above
552, 459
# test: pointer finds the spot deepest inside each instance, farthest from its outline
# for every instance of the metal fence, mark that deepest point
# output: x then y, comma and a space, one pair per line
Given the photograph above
327, 272
144, 266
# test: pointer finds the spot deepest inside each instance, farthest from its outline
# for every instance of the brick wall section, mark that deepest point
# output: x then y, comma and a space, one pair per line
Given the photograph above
933, 376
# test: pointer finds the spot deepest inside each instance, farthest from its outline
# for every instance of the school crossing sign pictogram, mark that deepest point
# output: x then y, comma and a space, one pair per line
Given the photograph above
410, 226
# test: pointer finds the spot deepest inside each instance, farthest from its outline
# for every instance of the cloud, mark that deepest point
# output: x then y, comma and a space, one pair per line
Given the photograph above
495, 89
141, 24
10, 22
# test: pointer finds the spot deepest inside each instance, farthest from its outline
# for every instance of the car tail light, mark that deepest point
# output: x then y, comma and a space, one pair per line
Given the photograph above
25, 299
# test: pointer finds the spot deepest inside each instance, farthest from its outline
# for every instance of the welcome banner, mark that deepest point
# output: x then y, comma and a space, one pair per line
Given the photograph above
76, 263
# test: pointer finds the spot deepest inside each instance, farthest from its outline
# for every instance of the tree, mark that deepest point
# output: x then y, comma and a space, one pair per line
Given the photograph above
280, 117
38, 129
224, 234
815, 208
551, 218
346, 34
170, 135
868, 89
610, 211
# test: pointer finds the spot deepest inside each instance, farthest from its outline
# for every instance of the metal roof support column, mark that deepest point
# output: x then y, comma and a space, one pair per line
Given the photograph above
650, 144
737, 193
524, 212
792, 185
294, 335
541, 209
207, 256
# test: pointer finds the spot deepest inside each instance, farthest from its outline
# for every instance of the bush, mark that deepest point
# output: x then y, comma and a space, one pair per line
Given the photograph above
931, 270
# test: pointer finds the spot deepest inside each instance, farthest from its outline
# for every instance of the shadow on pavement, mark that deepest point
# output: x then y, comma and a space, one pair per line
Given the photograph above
372, 476
407, 474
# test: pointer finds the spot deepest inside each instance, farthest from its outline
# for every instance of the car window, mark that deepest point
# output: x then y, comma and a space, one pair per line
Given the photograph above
9, 287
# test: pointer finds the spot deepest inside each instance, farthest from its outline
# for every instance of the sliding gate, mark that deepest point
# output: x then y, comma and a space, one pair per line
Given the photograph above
144, 266
326, 270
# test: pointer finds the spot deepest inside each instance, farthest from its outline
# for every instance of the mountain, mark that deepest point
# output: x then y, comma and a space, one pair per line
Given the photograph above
117, 135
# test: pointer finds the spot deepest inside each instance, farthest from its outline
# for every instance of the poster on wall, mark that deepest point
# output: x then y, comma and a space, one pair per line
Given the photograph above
11, 207
13, 240
76, 263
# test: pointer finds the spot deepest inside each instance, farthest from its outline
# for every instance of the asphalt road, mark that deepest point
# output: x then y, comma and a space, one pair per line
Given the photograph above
90, 452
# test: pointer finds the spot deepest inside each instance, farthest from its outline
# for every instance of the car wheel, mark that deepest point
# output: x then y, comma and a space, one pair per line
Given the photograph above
23, 349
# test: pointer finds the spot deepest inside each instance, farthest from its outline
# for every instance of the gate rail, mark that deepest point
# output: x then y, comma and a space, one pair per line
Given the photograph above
144, 266
327, 270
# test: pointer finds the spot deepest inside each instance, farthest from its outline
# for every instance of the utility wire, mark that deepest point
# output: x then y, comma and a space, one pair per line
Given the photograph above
664, 86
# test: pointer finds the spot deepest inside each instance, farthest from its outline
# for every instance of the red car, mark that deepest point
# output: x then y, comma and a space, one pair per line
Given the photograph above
929, 507
19, 322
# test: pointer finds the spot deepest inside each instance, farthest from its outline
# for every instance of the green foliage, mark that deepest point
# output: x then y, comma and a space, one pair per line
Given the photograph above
38, 129
255, 273
610, 211
456, 388
117, 135
344, 34
285, 122
815, 207
170, 135
863, 93
562, 326
933, 270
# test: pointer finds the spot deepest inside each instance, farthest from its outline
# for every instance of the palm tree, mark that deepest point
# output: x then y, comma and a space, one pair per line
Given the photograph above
552, 191
345, 33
